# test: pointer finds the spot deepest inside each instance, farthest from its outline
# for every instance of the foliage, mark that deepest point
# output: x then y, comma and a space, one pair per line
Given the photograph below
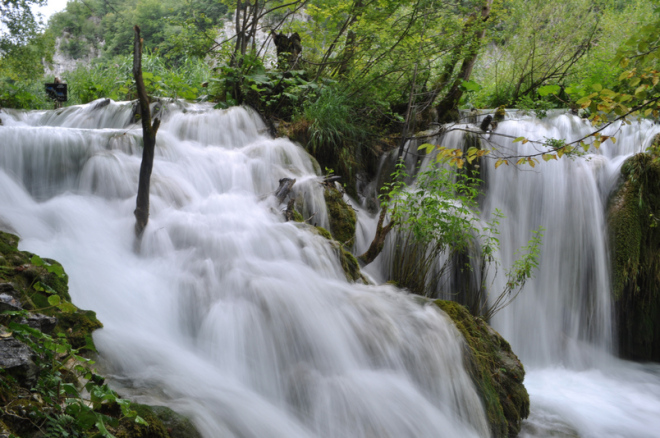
21, 95
20, 23
70, 411
21, 67
113, 79
176, 30
271, 92
339, 131
437, 216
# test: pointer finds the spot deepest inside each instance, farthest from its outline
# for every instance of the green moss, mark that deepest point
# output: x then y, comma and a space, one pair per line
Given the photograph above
128, 428
350, 265
495, 370
634, 220
78, 327
8, 243
323, 232
176, 424
297, 216
500, 113
342, 216
163, 423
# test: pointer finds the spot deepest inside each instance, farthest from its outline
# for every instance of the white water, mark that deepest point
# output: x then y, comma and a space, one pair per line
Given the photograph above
561, 325
229, 314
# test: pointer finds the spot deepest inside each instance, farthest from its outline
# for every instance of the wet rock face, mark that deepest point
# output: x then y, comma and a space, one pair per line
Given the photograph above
16, 360
43, 323
495, 370
633, 219
9, 302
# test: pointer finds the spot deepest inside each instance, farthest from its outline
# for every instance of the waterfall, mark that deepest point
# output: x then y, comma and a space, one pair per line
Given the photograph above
228, 314
561, 324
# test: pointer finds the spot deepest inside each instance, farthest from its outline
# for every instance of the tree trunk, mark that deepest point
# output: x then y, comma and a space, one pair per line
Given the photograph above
378, 243
448, 106
149, 139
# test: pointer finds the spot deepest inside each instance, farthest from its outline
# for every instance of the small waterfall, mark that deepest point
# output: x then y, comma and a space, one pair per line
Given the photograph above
561, 325
230, 315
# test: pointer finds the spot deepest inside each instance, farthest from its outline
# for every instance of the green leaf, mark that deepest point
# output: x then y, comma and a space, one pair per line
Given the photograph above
54, 300
37, 261
428, 148
67, 307
549, 89
471, 86
517, 139
56, 269
597, 87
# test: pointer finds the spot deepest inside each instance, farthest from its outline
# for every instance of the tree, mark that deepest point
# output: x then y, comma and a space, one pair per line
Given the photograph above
18, 21
149, 140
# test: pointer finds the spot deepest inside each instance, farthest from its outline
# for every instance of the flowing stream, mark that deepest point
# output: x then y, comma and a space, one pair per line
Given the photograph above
246, 323
228, 314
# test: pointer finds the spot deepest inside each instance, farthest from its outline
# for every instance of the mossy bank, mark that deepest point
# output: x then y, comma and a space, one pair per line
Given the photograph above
47, 385
634, 224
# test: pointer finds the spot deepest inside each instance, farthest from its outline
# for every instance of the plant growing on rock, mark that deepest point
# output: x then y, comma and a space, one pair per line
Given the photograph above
438, 230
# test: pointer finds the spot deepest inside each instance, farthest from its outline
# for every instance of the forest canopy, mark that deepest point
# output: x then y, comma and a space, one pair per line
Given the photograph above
385, 61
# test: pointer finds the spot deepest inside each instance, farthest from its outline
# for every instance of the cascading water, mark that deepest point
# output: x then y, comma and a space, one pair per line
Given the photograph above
228, 314
561, 324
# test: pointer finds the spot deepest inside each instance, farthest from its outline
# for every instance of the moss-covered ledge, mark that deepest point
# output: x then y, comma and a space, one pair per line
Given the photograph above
341, 215
348, 261
495, 370
44, 340
634, 228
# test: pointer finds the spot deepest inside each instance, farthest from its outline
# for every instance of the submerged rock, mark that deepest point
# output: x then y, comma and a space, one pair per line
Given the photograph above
495, 370
634, 219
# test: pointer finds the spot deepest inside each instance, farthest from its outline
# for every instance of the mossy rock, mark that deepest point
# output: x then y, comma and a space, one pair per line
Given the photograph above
176, 424
500, 114
297, 217
351, 266
634, 226
495, 370
342, 216
18, 270
349, 263
162, 423
323, 232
